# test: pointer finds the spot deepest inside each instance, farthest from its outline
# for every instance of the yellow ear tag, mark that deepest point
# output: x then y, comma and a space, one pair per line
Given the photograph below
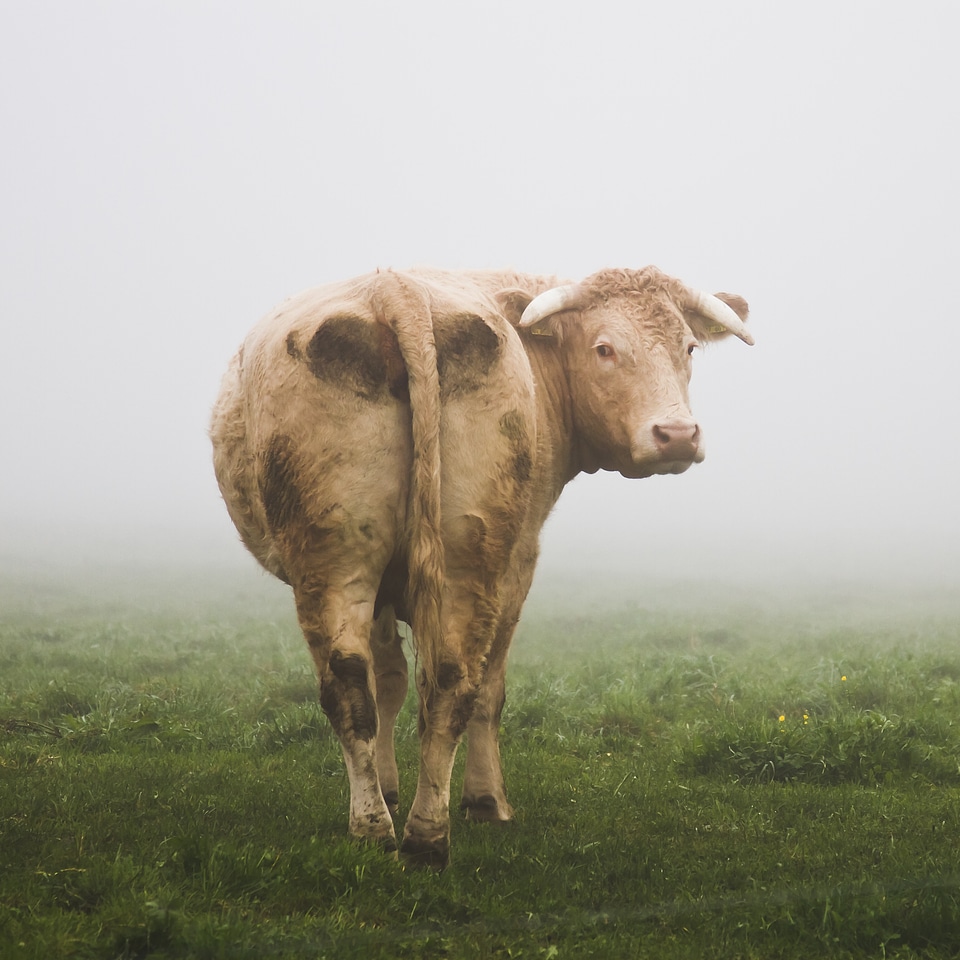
717, 328
539, 332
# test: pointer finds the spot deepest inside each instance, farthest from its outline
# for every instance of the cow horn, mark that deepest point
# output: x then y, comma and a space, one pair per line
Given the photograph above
713, 308
550, 302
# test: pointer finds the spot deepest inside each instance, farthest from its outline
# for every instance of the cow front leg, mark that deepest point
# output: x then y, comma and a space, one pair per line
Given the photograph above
339, 640
390, 667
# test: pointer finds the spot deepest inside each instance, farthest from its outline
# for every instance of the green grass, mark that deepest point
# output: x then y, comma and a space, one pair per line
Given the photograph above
749, 777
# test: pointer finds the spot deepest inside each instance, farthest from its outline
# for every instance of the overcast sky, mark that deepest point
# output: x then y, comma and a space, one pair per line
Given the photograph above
170, 171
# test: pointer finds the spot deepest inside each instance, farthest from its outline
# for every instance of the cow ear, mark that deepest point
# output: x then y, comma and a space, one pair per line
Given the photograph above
706, 329
512, 302
736, 303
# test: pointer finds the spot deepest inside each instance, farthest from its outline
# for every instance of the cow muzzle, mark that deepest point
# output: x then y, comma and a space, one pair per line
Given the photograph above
667, 446
678, 439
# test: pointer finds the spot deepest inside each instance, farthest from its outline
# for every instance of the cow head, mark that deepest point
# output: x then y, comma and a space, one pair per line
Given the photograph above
627, 338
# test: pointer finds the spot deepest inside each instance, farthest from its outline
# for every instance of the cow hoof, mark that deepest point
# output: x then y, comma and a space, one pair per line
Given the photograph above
486, 809
422, 854
376, 830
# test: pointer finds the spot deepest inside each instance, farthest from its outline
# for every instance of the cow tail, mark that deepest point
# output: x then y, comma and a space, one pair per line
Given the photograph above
404, 306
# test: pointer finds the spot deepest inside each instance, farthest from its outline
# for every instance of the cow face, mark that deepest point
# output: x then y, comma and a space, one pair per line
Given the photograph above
629, 375
628, 340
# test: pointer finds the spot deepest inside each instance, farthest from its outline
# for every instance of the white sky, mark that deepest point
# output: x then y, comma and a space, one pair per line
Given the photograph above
170, 171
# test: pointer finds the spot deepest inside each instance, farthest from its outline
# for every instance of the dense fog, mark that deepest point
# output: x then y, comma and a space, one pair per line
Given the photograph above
172, 171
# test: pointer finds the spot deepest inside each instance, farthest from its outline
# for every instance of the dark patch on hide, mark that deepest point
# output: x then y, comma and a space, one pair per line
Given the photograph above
513, 427
283, 501
330, 704
449, 674
522, 465
462, 712
466, 350
292, 347
346, 698
346, 351
515, 430
348, 667
278, 485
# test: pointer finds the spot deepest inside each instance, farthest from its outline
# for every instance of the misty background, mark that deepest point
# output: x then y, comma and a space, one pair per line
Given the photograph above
172, 171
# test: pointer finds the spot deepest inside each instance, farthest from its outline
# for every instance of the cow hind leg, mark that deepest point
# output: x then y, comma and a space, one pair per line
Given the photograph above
338, 633
445, 711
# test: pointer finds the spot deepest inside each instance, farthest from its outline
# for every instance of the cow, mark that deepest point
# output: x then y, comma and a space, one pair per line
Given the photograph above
390, 447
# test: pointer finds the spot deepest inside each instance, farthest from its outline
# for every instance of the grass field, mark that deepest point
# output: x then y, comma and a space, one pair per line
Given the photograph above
746, 775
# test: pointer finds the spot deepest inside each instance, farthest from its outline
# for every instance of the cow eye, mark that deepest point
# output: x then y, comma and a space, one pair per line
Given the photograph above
691, 347
604, 350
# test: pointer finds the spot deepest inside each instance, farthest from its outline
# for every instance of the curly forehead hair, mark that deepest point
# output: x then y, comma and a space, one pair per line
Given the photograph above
647, 282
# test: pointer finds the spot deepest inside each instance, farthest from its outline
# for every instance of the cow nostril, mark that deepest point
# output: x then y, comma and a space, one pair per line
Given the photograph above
679, 433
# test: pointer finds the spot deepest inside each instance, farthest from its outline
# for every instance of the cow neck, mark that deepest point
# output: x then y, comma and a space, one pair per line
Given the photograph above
583, 457
557, 444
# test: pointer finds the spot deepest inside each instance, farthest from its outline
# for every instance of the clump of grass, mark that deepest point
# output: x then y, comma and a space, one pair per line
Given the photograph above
858, 746
279, 726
